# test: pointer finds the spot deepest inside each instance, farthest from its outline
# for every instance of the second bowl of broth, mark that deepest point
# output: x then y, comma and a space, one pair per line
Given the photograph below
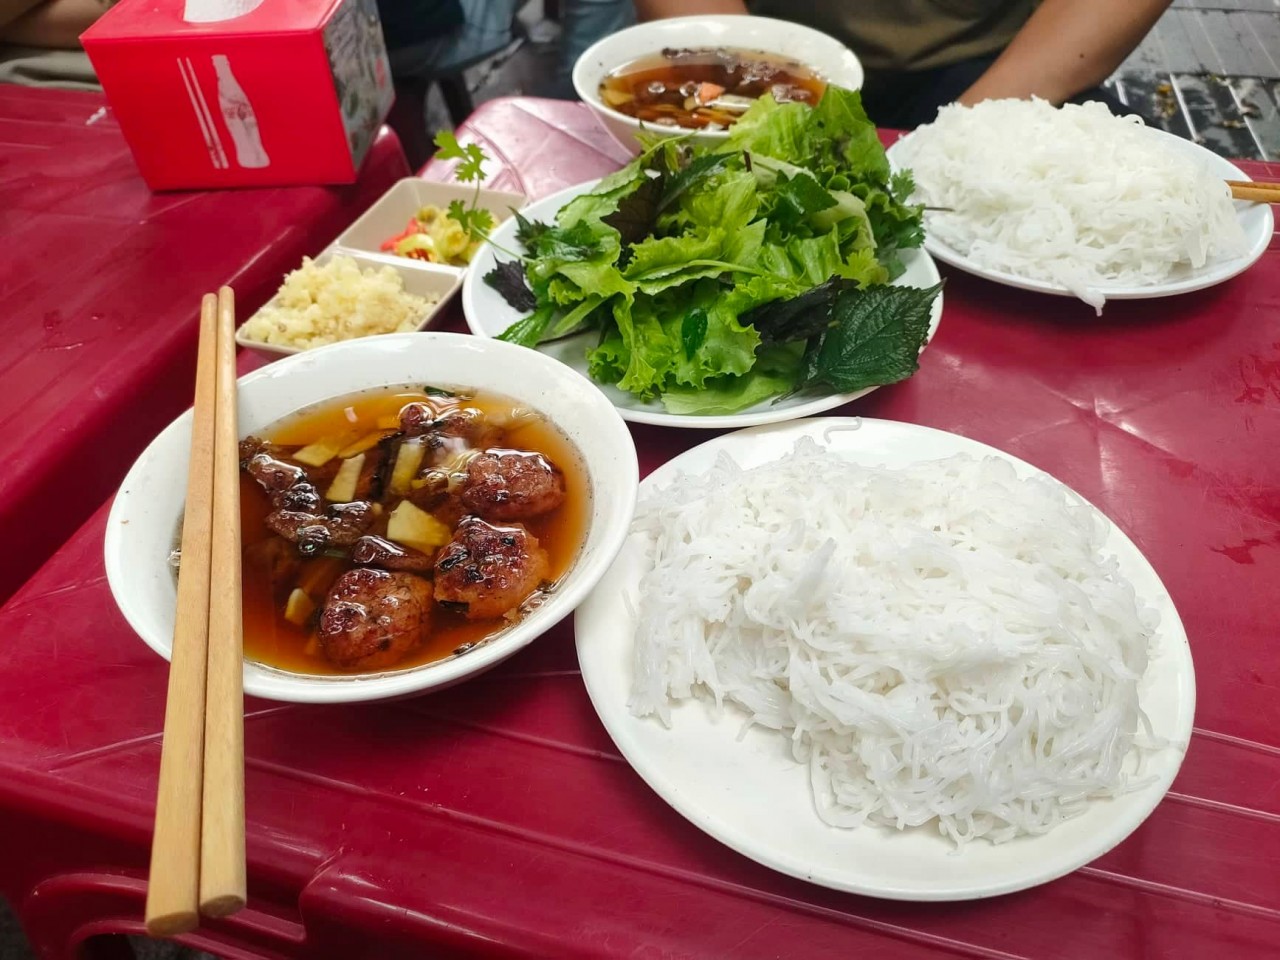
705, 88
690, 56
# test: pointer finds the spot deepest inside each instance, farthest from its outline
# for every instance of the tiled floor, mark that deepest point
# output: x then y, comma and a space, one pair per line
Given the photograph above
1210, 70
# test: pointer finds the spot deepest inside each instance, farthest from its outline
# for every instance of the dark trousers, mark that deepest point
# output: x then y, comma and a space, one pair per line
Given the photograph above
904, 101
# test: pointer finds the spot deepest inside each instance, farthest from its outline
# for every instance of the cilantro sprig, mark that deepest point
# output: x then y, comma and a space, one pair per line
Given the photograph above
474, 219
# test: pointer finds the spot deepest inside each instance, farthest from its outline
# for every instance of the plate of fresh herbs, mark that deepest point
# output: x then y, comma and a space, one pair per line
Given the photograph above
773, 277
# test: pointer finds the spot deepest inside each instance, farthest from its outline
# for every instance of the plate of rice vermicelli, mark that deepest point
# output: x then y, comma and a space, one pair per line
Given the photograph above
1078, 202
888, 660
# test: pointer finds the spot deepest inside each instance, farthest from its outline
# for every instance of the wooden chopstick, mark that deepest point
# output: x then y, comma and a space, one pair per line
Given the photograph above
172, 892
1260, 191
197, 854
222, 866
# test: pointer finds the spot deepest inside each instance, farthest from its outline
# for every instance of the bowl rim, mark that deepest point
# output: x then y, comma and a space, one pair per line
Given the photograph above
592, 99
283, 686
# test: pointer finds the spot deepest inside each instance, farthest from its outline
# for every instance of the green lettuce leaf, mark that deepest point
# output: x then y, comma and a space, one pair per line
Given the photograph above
708, 337
839, 124
774, 129
649, 352
798, 200
774, 373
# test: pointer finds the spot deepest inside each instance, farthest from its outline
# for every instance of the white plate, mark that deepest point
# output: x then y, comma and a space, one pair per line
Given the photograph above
488, 315
1255, 219
752, 796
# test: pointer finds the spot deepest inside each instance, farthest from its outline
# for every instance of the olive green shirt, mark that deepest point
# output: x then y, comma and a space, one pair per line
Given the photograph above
908, 34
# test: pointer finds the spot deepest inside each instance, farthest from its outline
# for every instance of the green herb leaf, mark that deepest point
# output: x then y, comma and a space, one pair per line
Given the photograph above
798, 198
509, 280
696, 170
875, 338
578, 242
472, 157
466, 218
528, 330
693, 332
902, 185
481, 221
608, 362
637, 211
528, 231
798, 318
575, 319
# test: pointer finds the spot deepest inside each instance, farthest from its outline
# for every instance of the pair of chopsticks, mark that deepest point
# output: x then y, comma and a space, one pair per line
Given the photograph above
1259, 191
197, 853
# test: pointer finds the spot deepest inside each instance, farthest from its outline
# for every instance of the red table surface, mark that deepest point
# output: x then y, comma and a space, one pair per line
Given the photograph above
100, 282
497, 818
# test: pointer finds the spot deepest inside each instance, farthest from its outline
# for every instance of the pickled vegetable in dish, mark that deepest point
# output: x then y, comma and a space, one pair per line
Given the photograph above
395, 528
434, 236
706, 88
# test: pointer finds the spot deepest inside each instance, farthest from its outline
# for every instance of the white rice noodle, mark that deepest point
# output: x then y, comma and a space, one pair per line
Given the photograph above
942, 644
1073, 196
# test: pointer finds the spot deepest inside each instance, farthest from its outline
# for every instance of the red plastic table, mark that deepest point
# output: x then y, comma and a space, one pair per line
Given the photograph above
497, 819
100, 282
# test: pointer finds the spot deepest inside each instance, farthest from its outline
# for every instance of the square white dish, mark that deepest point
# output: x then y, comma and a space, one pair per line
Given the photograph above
421, 279
388, 216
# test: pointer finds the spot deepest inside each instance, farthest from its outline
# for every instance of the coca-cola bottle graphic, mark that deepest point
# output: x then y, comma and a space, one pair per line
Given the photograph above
238, 113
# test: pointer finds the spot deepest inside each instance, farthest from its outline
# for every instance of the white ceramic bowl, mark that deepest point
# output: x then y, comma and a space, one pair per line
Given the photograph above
145, 517
832, 60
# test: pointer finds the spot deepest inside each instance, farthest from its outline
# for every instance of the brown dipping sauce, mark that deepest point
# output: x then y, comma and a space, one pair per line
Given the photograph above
705, 87
274, 567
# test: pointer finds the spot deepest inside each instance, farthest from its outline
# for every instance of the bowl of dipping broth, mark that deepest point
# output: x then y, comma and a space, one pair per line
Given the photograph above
415, 508
694, 76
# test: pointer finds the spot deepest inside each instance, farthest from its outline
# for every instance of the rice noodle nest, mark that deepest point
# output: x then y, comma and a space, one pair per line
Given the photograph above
942, 644
1073, 196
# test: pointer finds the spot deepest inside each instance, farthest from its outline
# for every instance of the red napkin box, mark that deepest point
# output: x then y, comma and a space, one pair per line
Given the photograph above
237, 93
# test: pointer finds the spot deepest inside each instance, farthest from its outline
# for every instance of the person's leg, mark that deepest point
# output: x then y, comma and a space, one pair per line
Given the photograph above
583, 22
486, 29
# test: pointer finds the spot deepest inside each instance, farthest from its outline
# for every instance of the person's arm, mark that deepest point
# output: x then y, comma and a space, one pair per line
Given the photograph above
1065, 47
661, 9
55, 24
